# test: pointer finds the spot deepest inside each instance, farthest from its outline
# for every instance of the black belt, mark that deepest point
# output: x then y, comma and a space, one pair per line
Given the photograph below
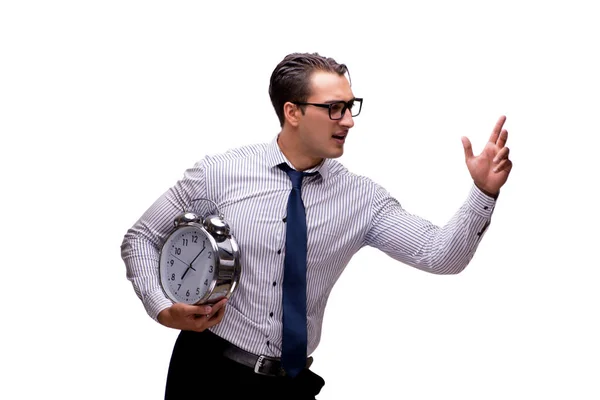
262, 365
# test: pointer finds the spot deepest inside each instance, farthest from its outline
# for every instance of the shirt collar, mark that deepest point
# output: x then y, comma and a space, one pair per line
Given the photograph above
274, 156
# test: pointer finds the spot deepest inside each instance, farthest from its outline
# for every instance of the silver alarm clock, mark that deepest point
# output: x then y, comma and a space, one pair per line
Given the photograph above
200, 260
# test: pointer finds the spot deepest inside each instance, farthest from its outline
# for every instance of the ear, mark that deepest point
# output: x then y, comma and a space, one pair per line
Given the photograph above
292, 114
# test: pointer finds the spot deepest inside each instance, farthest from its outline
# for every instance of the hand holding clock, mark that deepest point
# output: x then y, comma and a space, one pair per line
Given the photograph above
192, 318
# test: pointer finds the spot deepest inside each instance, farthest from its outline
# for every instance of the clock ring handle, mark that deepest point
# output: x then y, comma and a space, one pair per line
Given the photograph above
215, 204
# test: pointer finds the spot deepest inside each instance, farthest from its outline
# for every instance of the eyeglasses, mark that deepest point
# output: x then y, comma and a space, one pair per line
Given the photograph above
337, 109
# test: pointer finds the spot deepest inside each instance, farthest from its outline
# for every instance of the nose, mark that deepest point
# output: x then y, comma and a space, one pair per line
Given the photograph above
347, 121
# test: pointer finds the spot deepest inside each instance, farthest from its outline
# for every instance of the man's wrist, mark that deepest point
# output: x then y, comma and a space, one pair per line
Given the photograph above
487, 193
163, 317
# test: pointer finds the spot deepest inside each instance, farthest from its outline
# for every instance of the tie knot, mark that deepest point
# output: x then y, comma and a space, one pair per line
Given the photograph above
295, 176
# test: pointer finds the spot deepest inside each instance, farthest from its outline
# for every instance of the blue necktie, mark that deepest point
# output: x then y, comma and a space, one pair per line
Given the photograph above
293, 357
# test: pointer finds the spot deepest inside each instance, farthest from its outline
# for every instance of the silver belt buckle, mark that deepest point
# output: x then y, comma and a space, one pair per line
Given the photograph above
259, 364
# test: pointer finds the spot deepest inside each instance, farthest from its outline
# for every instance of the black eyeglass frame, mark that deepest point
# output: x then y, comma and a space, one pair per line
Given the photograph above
347, 105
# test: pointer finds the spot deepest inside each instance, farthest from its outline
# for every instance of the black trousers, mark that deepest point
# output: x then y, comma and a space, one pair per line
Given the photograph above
198, 370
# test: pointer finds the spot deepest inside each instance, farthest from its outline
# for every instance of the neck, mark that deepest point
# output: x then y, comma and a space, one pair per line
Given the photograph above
293, 150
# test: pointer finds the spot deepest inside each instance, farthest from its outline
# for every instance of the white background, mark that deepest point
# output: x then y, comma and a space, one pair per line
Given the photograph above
103, 105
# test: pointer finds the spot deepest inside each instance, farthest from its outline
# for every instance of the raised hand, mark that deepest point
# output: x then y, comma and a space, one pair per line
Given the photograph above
491, 168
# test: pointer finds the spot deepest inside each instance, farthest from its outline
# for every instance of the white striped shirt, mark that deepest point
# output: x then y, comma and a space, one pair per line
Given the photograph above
344, 213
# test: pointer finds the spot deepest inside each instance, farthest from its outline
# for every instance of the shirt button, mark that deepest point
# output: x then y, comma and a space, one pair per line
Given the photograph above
268, 343
274, 283
279, 251
271, 314
284, 219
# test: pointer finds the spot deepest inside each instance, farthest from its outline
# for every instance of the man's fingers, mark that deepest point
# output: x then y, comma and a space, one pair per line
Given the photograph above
202, 322
209, 320
218, 316
218, 308
219, 305
497, 129
502, 139
504, 165
211, 315
502, 154
196, 310
199, 324
468, 148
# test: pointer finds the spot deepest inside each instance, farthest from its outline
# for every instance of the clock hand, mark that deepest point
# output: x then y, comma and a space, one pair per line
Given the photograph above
186, 271
178, 258
190, 266
198, 255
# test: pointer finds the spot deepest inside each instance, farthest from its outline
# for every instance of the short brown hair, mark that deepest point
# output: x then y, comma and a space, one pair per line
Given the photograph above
290, 80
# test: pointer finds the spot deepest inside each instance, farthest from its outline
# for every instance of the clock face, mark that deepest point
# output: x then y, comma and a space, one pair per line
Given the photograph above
187, 264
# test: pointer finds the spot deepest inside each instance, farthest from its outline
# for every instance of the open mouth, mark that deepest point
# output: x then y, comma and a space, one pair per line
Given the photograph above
339, 137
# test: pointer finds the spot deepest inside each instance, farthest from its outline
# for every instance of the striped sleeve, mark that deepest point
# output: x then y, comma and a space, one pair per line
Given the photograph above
419, 243
140, 248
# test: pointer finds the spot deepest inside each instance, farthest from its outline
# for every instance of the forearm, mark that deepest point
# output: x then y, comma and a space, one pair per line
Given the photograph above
141, 245
421, 244
140, 252
449, 249
141, 263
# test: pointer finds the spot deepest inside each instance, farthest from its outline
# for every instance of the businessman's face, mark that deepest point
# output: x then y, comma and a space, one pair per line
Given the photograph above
320, 136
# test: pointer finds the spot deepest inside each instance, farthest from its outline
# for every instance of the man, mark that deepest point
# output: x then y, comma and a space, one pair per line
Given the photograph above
296, 234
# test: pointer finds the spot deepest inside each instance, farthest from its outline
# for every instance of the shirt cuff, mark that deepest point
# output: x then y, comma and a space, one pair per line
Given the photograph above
155, 303
481, 203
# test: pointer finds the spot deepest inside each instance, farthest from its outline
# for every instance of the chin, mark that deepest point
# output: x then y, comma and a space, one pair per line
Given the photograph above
335, 153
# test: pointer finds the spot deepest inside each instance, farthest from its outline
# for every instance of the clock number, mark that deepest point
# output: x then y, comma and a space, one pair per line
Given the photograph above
185, 242
209, 255
194, 239
206, 282
179, 286
187, 294
197, 291
178, 251
172, 277
210, 269
171, 262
